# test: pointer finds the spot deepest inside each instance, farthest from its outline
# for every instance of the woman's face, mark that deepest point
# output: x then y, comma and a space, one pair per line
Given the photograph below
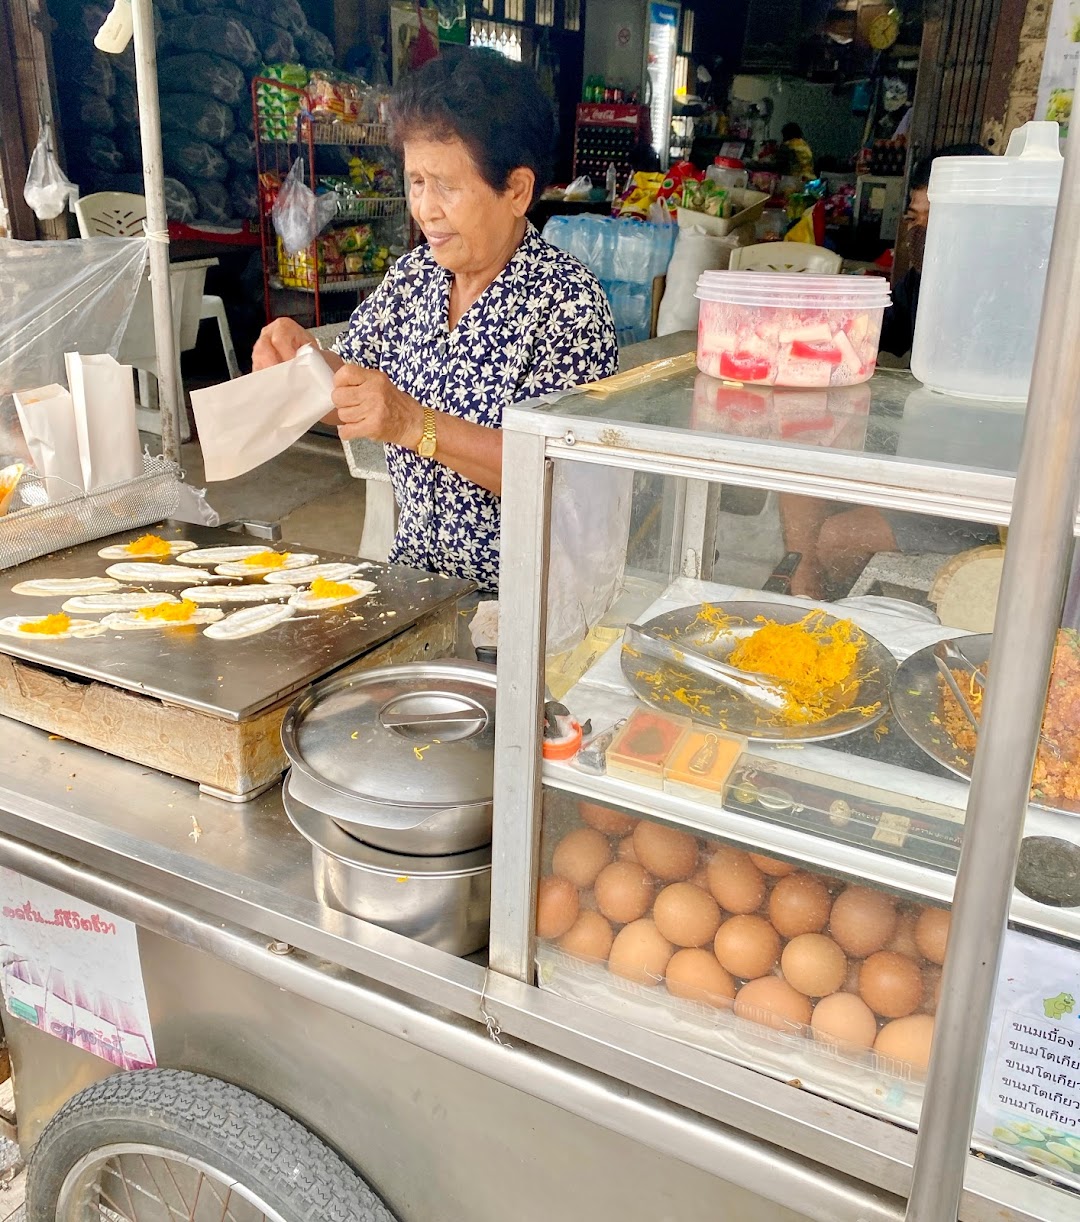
471, 228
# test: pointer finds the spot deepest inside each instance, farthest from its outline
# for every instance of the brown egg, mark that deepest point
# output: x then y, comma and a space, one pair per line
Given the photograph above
773, 866
695, 975
604, 819
907, 1039
903, 940
891, 984
843, 1019
580, 856
773, 1002
557, 906
667, 853
862, 920
686, 915
590, 937
640, 953
814, 964
623, 892
932, 933
799, 904
625, 851
931, 994
747, 946
736, 883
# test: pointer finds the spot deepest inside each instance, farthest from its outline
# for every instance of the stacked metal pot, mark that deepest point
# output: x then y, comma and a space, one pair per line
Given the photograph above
391, 783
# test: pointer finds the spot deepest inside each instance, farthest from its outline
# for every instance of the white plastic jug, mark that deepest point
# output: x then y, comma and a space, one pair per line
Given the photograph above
984, 269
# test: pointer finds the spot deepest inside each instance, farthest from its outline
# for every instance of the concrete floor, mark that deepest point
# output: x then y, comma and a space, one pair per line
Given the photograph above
308, 490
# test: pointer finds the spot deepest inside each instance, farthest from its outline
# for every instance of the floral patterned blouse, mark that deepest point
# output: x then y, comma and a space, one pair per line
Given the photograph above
543, 325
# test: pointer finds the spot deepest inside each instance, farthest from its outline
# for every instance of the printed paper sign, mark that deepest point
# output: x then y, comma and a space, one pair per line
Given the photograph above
1060, 61
1029, 1105
73, 971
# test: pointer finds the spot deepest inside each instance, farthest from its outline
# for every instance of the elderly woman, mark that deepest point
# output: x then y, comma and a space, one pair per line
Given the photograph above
484, 314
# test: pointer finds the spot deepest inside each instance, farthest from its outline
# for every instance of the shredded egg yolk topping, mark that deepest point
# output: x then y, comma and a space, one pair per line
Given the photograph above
321, 588
267, 560
149, 545
49, 624
175, 613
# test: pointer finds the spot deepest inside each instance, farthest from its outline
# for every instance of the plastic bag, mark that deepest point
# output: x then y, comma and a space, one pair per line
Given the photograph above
299, 214
226, 34
240, 150
426, 46
579, 189
189, 159
275, 44
48, 191
60, 297
315, 49
215, 204
201, 72
197, 115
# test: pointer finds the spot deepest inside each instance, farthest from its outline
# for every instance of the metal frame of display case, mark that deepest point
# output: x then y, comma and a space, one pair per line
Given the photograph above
935, 1171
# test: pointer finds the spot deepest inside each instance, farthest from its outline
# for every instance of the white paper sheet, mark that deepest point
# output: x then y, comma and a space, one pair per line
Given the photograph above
47, 416
103, 396
247, 421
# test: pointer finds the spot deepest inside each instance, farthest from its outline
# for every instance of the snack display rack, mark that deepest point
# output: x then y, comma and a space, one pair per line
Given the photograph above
324, 266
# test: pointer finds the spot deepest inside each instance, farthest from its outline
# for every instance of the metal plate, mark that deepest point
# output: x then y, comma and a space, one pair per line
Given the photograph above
916, 701
737, 715
231, 679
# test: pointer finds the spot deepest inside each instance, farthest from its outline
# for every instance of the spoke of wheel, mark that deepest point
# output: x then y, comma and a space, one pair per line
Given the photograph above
225, 1212
179, 1191
127, 1191
198, 1193
115, 1206
162, 1195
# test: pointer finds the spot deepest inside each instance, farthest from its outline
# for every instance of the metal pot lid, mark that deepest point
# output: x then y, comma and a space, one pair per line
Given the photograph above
324, 834
418, 735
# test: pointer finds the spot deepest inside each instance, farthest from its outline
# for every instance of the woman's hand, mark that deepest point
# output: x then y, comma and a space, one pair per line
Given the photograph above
369, 405
278, 342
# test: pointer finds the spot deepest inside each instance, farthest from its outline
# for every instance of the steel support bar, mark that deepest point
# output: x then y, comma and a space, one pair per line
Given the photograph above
157, 227
1028, 615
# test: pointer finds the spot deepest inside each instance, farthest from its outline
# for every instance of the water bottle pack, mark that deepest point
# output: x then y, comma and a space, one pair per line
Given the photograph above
625, 256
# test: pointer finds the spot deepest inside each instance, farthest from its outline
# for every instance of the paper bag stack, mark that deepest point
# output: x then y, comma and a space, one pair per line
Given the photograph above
85, 437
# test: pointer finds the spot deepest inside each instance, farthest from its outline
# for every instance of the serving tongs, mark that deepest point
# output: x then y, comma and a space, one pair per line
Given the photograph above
754, 687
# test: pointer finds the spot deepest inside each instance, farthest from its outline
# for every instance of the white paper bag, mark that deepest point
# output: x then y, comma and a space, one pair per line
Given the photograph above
246, 422
103, 396
47, 416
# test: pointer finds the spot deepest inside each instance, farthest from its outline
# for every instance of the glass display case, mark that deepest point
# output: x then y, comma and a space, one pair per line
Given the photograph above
758, 860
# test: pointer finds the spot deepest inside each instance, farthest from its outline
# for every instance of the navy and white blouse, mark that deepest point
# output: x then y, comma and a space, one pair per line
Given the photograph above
542, 325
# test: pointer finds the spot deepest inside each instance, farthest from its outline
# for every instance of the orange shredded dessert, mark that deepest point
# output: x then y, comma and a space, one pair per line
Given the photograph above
51, 625
1057, 761
267, 560
809, 659
321, 588
149, 545
175, 613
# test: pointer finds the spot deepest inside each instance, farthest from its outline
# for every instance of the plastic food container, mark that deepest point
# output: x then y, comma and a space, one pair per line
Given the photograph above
984, 268
780, 329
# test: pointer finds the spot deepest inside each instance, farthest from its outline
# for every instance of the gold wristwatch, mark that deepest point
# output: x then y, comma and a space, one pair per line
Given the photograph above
428, 441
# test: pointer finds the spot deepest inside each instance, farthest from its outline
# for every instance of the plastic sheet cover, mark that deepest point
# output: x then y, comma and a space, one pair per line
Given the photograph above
58, 297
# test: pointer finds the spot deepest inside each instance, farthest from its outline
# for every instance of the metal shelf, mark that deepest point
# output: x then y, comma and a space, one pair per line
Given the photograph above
356, 284
377, 207
913, 450
366, 135
891, 873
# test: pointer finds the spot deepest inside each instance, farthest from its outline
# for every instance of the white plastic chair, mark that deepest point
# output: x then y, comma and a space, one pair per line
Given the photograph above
121, 214
786, 257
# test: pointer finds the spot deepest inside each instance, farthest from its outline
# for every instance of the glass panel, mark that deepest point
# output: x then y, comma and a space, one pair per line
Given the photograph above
506, 39
545, 12
754, 957
572, 14
514, 10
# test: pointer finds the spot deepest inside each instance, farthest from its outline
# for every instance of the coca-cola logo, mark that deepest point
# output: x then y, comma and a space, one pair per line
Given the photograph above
609, 114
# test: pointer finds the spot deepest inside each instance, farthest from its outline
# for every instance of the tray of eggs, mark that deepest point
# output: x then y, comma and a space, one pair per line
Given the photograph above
754, 958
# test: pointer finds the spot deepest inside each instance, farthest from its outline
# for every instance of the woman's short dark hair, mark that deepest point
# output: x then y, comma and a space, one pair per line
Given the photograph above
791, 131
493, 105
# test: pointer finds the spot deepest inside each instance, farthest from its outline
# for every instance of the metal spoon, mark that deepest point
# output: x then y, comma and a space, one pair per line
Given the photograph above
756, 688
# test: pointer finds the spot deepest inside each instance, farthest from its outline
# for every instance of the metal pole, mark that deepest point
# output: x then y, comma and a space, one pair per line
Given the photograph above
1028, 615
157, 226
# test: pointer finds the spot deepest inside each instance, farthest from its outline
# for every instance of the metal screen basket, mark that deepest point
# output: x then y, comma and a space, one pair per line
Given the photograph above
40, 527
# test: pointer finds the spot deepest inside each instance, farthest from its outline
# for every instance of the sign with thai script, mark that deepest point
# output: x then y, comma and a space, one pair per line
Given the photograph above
73, 971
1029, 1106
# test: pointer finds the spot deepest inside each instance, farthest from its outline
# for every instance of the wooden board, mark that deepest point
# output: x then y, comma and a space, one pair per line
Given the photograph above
236, 758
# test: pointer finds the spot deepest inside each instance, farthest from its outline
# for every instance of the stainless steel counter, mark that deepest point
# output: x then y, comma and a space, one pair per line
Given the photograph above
205, 872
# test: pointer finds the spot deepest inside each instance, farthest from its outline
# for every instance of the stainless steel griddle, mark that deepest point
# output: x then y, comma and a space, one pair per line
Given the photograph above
230, 679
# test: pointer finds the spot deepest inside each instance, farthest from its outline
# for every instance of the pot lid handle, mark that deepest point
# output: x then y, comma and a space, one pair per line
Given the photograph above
463, 716
447, 715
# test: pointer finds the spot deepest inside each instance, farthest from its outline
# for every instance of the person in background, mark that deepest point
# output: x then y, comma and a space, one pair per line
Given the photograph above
898, 327
795, 158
